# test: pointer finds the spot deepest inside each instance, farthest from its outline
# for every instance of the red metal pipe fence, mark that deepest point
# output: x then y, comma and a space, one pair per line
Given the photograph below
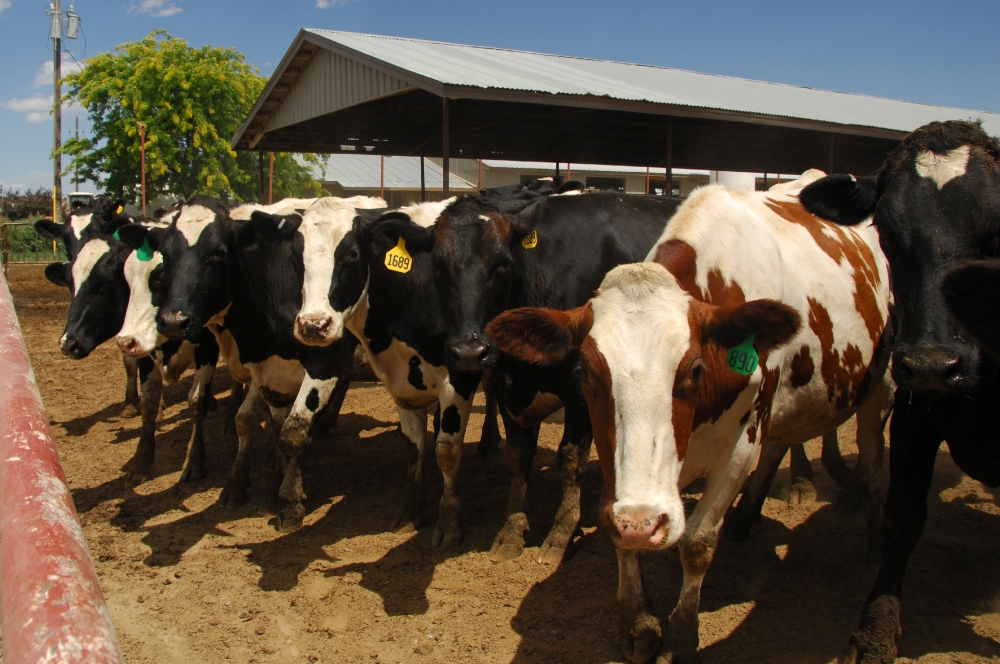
51, 605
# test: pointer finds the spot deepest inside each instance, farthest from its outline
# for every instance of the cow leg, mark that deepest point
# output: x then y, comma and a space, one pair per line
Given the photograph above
247, 420
489, 444
449, 434
278, 461
206, 354
865, 482
802, 491
521, 446
150, 391
236, 395
913, 450
698, 548
131, 406
747, 511
413, 425
574, 453
833, 462
638, 626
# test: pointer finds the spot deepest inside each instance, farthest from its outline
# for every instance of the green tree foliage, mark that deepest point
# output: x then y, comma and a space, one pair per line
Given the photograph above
191, 101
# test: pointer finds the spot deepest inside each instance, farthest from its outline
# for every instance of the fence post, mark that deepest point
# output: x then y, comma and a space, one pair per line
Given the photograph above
3, 247
51, 605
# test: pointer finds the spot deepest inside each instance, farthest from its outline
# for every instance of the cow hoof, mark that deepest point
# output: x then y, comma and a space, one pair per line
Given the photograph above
550, 555
290, 518
671, 657
874, 641
509, 542
641, 641
403, 527
269, 507
233, 494
129, 411
192, 474
802, 494
442, 540
137, 477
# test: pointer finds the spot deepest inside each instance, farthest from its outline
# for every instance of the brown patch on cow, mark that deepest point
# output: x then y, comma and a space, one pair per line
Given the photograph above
765, 397
752, 433
601, 403
840, 244
681, 260
874, 370
843, 373
541, 335
802, 367
720, 386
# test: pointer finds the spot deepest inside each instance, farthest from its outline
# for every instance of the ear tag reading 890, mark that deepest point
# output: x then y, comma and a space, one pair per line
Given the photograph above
530, 241
398, 259
743, 359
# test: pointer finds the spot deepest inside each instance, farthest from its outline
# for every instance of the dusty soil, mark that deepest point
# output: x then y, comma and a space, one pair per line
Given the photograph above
190, 582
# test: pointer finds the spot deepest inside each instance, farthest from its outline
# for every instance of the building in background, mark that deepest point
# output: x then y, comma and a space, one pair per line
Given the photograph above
361, 174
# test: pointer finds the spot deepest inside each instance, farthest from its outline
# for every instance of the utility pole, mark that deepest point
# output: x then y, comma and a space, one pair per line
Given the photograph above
76, 169
56, 33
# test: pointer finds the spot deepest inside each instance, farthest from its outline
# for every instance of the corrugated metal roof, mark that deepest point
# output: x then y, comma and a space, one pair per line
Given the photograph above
361, 171
503, 164
427, 63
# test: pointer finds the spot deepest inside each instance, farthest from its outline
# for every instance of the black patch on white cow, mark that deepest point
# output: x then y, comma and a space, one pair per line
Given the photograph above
416, 376
451, 421
312, 401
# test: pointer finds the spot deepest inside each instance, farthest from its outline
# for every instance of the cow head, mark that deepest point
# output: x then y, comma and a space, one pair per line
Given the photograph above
936, 202
198, 251
145, 277
83, 224
99, 294
652, 362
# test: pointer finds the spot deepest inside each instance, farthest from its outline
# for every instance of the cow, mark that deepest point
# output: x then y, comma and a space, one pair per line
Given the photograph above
227, 276
936, 203
532, 189
972, 294
751, 325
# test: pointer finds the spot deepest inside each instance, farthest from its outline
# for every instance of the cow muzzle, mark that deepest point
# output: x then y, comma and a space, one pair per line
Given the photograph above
470, 354
637, 526
174, 324
72, 348
317, 330
129, 345
929, 368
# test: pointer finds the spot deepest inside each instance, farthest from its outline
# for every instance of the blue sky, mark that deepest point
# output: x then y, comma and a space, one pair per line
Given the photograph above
932, 52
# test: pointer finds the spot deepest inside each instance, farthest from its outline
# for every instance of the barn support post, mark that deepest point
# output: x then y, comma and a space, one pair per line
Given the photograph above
445, 146
423, 186
260, 175
557, 171
647, 180
381, 176
669, 175
480, 173
833, 140
270, 181
51, 605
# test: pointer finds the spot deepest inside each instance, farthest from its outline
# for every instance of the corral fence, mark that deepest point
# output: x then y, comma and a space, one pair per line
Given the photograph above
51, 605
20, 243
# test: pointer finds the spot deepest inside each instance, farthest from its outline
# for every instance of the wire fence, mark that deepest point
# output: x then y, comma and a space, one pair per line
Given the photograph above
21, 244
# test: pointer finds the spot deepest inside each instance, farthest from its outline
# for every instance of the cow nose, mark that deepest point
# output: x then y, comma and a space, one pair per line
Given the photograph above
128, 345
174, 324
314, 328
70, 347
638, 527
930, 368
469, 355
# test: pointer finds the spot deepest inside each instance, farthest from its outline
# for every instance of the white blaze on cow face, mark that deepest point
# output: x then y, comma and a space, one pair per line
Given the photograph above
192, 222
641, 327
78, 222
943, 168
323, 227
139, 336
85, 261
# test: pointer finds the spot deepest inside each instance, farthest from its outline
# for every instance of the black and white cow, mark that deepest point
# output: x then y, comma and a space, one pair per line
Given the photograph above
226, 275
935, 203
532, 189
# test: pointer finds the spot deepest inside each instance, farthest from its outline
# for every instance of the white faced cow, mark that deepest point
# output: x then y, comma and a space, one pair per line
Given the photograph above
753, 324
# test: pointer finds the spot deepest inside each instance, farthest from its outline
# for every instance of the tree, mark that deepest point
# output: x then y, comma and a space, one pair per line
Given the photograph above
192, 101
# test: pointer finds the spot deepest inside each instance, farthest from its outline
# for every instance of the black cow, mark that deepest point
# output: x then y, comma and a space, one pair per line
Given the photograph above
972, 293
228, 276
532, 189
936, 202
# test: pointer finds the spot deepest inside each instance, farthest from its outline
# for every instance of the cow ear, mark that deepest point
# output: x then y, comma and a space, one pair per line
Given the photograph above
844, 199
541, 336
274, 228
49, 229
134, 235
395, 225
115, 223
56, 273
772, 323
972, 293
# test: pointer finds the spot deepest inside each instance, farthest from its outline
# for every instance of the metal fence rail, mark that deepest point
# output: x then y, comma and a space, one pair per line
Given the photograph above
21, 244
51, 605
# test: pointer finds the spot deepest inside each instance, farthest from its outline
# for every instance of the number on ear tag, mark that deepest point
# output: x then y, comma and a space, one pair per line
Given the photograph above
530, 240
743, 359
398, 259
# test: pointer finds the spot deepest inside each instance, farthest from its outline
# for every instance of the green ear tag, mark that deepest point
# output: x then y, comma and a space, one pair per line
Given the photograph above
743, 359
145, 253
115, 236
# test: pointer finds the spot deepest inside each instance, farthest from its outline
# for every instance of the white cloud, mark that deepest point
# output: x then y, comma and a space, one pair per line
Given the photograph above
36, 103
4, 4
323, 4
43, 77
155, 8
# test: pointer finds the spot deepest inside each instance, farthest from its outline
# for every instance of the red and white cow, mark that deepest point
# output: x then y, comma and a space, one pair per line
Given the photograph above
736, 274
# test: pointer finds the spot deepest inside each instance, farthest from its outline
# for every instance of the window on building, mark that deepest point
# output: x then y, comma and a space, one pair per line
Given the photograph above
609, 184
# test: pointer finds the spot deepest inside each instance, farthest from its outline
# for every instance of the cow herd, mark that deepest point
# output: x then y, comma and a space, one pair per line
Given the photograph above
685, 340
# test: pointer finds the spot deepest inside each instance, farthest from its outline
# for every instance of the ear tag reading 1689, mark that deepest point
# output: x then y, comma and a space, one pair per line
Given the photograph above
530, 241
743, 359
398, 259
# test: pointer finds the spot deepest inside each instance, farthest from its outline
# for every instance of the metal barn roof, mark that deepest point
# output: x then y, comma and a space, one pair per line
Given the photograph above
362, 171
337, 89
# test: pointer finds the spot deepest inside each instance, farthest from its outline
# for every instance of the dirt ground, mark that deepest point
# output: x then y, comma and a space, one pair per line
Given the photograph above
187, 581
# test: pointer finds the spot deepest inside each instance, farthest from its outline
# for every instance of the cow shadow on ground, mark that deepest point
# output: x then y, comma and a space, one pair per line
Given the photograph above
81, 426
807, 584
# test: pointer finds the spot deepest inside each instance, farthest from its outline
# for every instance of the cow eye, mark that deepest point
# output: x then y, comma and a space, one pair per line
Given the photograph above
353, 254
220, 253
581, 374
502, 266
696, 373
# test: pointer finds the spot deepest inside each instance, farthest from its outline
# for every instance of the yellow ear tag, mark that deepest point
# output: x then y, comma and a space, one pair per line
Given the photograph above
120, 208
530, 241
398, 259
